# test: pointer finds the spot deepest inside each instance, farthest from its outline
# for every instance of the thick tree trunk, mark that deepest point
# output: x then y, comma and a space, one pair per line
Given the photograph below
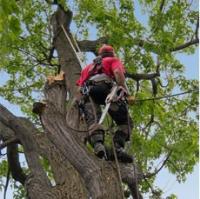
76, 171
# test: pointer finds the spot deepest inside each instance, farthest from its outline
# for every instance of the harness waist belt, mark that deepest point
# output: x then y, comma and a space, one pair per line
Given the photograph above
100, 77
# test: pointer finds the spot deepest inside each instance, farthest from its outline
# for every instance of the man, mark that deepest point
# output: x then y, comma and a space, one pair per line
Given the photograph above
95, 84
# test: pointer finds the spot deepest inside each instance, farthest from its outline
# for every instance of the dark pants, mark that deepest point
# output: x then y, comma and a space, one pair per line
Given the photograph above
118, 111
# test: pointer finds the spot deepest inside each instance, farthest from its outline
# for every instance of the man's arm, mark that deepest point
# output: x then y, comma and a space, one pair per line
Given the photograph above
120, 79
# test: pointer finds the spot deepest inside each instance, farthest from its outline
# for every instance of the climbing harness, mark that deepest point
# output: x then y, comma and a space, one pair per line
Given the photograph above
85, 89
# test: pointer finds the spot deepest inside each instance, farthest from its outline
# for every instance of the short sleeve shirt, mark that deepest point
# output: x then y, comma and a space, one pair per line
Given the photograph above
109, 65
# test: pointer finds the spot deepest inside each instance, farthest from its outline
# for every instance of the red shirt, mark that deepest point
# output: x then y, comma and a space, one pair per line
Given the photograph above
109, 65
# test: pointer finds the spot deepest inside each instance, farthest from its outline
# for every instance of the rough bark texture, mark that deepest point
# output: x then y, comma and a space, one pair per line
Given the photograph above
76, 171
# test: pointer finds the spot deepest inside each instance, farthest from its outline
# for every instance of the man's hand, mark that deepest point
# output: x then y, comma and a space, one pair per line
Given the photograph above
117, 93
112, 96
121, 93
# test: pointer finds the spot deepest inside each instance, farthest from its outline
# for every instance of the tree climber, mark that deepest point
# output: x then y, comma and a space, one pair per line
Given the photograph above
95, 84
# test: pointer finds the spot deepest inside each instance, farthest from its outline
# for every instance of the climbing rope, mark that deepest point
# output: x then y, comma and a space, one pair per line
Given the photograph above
118, 169
167, 96
71, 44
134, 165
110, 130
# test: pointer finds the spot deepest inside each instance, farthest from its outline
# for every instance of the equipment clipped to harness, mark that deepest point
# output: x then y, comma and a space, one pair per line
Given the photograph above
117, 93
85, 89
97, 66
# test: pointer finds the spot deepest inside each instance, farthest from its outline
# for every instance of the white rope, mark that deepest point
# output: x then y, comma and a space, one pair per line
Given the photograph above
70, 42
118, 169
80, 53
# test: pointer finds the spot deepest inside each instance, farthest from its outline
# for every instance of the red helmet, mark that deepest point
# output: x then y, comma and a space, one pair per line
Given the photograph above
106, 49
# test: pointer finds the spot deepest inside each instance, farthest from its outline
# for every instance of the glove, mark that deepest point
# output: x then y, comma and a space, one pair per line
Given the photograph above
121, 93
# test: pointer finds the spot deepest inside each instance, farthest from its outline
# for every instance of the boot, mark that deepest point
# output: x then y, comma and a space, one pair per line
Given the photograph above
96, 140
99, 150
122, 155
119, 143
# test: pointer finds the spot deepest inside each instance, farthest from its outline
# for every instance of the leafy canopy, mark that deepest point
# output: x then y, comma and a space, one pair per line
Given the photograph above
163, 128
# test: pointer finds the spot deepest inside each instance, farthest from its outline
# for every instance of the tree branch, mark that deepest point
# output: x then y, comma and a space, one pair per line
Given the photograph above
142, 76
131, 176
149, 175
6, 133
91, 46
143, 43
23, 130
163, 164
197, 29
14, 164
187, 44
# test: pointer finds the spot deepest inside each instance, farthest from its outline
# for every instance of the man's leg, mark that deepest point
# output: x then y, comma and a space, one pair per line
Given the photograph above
98, 94
96, 133
120, 115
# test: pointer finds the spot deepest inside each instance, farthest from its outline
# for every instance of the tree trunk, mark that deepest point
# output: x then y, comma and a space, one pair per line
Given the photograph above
76, 171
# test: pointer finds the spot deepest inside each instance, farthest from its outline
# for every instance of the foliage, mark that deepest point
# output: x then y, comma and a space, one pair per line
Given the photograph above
162, 127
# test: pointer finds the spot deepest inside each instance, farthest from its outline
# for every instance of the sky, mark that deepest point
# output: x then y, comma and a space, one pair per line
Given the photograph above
165, 180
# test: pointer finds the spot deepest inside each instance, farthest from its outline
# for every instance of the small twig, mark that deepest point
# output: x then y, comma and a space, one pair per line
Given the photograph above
162, 5
7, 182
149, 175
163, 86
163, 164
148, 124
197, 29
158, 66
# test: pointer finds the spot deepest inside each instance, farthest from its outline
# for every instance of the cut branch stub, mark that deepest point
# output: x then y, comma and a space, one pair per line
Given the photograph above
59, 77
56, 93
38, 107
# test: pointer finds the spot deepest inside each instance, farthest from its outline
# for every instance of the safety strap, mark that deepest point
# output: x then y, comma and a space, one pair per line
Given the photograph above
96, 67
